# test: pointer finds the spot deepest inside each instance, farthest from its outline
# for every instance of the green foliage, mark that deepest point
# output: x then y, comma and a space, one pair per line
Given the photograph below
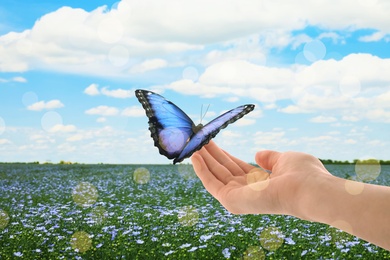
355, 161
169, 217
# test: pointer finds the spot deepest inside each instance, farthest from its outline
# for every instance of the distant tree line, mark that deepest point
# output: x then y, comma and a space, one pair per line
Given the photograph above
19, 162
367, 161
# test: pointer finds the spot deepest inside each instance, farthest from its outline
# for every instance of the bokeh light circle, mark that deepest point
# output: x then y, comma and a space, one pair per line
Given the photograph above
141, 175
4, 219
367, 170
339, 237
50, 119
81, 241
29, 98
257, 179
191, 73
115, 5
354, 187
314, 50
188, 216
255, 253
99, 214
175, 137
186, 171
85, 194
301, 59
271, 238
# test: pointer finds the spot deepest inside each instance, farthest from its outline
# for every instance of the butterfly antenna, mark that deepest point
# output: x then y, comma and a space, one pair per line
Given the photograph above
201, 113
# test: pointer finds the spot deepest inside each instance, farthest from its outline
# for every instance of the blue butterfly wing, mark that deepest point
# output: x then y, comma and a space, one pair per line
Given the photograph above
170, 127
209, 131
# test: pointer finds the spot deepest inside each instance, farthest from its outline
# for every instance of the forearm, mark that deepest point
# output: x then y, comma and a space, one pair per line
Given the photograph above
360, 209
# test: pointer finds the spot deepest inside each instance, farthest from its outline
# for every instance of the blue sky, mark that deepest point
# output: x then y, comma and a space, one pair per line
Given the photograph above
317, 73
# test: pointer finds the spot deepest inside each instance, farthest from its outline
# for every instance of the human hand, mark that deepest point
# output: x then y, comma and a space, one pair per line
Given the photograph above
299, 185
243, 188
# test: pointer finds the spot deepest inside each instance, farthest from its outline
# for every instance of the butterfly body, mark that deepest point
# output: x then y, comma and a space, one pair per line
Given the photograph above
174, 133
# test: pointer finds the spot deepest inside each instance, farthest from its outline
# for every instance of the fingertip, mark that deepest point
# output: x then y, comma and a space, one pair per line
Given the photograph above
259, 156
210, 144
266, 159
196, 161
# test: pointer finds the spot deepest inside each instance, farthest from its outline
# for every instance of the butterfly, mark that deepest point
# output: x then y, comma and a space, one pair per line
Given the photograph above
174, 133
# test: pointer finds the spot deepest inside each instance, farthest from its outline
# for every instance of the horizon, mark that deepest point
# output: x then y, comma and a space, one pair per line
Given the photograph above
324, 161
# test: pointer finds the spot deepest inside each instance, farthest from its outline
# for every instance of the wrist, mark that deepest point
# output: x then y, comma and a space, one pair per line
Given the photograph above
318, 198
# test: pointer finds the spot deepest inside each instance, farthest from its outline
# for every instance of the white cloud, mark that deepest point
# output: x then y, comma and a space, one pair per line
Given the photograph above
378, 114
134, 111
270, 138
293, 109
66, 148
319, 86
350, 118
97, 42
101, 120
103, 111
232, 99
74, 138
148, 65
62, 128
230, 134
205, 112
117, 93
350, 141
41, 105
245, 122
256, 113
383, 99
188, 87
319, 139
41, 139
332, 35
14, 79
92, 90
323, 119
374, 37
19, 79
64, 41
300, 39
4, 141
248, 48
376, 143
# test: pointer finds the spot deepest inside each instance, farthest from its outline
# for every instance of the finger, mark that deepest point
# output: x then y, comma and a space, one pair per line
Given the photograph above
209, 180
224, 159
267, 159
245, 167
217, 169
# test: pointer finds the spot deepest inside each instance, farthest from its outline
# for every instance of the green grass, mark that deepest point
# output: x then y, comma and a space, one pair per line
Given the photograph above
170, 217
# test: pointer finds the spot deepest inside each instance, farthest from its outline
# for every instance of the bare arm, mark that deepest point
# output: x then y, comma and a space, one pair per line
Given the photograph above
299, 186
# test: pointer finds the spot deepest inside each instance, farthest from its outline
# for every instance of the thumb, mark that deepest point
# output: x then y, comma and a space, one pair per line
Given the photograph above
267, 159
